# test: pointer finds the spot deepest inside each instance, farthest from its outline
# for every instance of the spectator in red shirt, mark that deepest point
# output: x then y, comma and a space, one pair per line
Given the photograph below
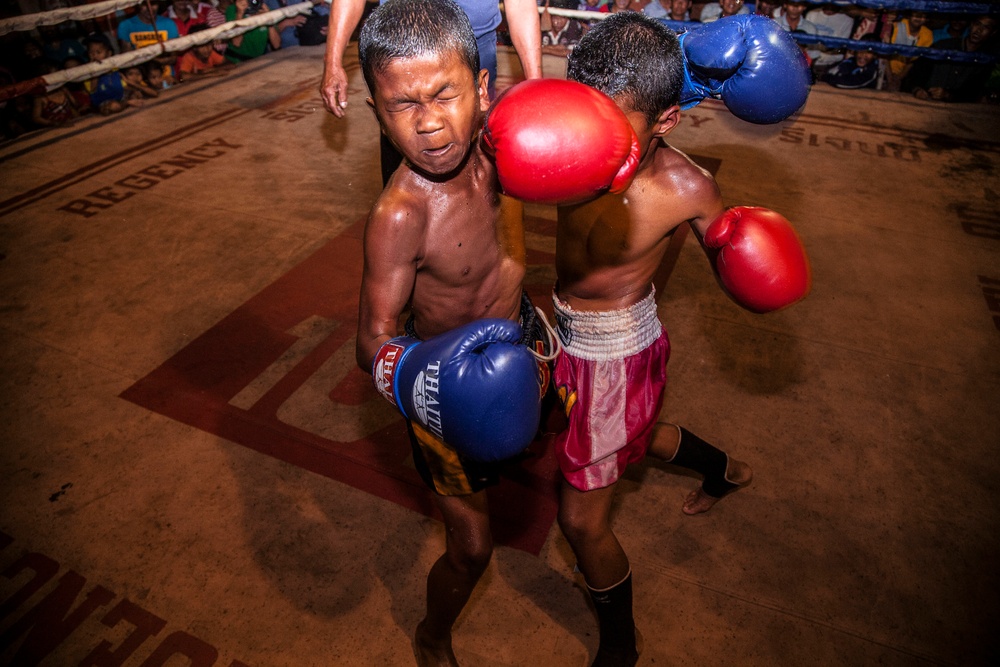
187, 14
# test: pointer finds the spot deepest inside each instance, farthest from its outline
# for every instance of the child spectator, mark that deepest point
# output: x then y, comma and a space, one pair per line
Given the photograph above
55, 107
201, 60
153, 72
80, 96
107, 91
565, 32
59, 43
167, 63
25, 64
15, 118
908, 31
861, 70
136, 87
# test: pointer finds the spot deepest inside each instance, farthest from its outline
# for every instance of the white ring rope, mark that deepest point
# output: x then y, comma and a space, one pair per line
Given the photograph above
81, 13
138, 56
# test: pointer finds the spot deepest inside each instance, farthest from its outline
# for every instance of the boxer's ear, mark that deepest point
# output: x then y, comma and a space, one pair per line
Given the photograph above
666, 121
483, 89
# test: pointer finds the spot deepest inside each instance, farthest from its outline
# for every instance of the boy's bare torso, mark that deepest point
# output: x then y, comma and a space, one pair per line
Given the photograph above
468, 251
609, 249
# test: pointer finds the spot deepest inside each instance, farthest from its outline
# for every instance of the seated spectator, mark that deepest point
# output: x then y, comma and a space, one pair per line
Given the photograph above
187, 13
60, 43
304, 30
80, 96
714, 11
870, 21
953, 81
15, 118
254, 43
202, 60
594, 6
791, 19
26, 63
98, 47
908, 31
153, 73
216, 17
626, 6
107, 91
54, 107
672, 10
145, 28
565, 32
137, 88
956, 25
860, 70
768, 8
830, 21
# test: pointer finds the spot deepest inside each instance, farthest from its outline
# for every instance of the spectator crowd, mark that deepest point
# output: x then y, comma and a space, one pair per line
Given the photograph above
926, 78
25, 56
47, 49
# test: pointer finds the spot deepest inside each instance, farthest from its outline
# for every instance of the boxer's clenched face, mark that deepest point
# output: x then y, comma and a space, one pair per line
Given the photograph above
431, 108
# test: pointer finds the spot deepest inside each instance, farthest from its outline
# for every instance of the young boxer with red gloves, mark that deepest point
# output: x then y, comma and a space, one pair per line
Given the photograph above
612, 370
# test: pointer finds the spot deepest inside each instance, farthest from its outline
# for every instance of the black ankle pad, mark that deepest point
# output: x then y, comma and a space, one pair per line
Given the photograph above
695, 454
614, 616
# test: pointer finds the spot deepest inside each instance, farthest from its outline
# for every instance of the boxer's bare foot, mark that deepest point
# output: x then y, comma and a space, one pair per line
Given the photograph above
431, 653
698, 501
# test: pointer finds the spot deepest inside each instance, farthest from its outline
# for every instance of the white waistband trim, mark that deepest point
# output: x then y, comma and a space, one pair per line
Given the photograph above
609, 334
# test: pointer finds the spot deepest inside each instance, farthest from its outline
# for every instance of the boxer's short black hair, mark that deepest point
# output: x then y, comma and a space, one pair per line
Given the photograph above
632, 58
411, 28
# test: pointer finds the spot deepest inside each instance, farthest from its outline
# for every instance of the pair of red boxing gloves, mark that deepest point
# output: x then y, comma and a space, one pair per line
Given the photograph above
561, 142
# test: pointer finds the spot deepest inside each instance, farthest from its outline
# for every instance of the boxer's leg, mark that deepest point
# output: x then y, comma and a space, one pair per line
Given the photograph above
585, 519
723, 474
468, 548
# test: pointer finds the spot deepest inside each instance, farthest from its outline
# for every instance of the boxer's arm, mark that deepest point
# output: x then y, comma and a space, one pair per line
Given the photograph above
525, 33
391, 249
344, 18
703, 200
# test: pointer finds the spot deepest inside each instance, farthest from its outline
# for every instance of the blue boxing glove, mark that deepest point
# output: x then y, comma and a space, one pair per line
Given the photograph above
474, 387
749, 62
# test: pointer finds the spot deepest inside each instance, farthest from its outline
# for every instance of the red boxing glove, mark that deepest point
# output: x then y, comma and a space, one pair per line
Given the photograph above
761, 261
559, 142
